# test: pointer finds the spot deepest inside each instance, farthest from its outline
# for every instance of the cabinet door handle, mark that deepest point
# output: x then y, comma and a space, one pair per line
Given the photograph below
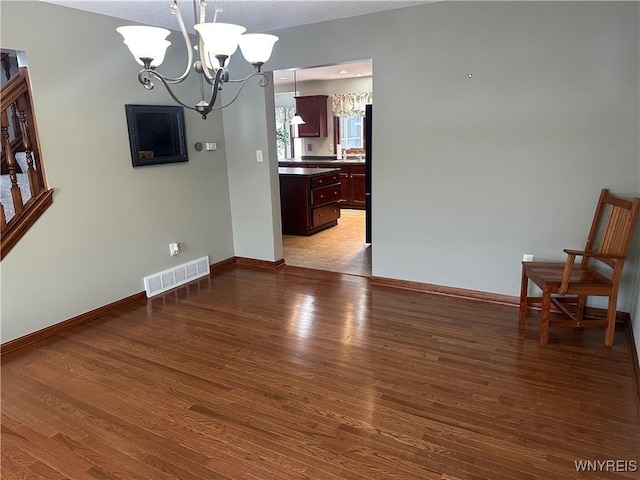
321, 196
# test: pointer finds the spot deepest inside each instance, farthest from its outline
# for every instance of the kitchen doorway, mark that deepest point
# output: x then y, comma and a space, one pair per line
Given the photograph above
340, 144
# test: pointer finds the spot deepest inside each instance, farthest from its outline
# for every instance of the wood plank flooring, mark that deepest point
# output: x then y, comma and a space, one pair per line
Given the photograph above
294, 374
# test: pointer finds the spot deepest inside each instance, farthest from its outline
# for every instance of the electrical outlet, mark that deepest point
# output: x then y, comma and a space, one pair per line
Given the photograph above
174, 248
309, 147
527, 257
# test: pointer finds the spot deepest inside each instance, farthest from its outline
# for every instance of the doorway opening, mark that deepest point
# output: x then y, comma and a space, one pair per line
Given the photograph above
331, 101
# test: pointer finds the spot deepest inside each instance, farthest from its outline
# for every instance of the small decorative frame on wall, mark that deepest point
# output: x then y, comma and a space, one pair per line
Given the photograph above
156, 134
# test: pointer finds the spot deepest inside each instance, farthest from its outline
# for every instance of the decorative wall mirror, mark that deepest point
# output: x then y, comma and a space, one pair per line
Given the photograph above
156, 134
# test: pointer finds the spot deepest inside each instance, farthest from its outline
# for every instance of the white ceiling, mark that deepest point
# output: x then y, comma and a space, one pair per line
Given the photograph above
256, 15
330, 72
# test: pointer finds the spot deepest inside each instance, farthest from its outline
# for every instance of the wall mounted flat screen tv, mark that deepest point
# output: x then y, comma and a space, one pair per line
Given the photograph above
156, 134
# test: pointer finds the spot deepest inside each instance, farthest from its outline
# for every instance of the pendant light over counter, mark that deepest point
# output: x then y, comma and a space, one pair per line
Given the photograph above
297, 119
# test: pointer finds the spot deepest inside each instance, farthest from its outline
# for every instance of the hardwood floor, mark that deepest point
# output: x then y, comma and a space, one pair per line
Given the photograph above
338, 249
252, 374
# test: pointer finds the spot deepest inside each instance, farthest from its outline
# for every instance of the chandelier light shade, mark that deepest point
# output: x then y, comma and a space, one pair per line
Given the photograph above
216, 43
257, 47
220, 39
146, 42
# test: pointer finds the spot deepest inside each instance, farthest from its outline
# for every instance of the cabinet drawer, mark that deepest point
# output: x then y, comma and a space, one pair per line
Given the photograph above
325, 179
323, 195
326, 214
357, 169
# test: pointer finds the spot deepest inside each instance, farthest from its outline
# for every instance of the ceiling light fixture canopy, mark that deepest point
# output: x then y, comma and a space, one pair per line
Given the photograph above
216, 43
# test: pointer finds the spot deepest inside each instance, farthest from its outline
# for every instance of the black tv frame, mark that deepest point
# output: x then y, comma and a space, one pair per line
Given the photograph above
157, 134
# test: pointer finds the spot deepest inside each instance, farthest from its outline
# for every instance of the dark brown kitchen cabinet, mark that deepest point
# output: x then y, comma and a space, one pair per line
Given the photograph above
313, 110
352, 179
309, 199
352, 186
357, 186
344, 185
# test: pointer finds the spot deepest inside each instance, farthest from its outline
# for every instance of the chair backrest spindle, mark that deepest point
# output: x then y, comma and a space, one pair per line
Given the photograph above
612, 229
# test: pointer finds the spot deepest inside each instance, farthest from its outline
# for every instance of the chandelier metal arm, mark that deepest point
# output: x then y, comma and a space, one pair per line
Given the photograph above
264, 81
187, 42
148, 84
152, 72
217, 85
203, 61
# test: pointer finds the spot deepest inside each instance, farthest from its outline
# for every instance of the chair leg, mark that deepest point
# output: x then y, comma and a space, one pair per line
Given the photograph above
545, 315
611, 320
523, 311
582, 301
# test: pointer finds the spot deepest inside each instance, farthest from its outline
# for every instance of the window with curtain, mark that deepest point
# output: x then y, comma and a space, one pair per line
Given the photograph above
350, 110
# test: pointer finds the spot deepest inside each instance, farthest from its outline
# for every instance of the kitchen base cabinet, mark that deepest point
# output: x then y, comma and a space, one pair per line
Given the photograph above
357, 186
352, 179
309, 199
344, 186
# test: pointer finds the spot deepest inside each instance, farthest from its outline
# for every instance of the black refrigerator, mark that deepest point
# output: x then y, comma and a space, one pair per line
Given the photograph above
367, 147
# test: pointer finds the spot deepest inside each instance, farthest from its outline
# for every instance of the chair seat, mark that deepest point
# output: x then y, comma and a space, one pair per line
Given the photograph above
549, 274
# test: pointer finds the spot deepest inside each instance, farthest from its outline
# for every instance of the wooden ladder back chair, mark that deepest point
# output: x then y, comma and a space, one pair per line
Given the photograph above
567, 286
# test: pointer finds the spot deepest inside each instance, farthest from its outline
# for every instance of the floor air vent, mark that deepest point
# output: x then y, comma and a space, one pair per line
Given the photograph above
163, 281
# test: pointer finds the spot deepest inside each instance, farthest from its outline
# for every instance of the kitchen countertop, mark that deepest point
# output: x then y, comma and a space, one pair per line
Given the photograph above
310, 172
321, 160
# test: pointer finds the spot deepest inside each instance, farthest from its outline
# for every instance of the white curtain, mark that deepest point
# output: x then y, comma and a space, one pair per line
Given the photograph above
349, 104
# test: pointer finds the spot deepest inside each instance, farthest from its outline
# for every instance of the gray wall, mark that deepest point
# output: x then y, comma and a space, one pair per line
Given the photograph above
110, 225
471, 173
253, 186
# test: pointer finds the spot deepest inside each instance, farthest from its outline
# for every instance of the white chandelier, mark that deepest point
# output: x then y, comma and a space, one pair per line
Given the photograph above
216, 43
